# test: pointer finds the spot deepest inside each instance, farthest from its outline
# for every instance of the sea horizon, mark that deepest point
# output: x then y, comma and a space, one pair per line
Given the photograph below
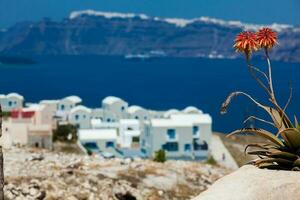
160, 83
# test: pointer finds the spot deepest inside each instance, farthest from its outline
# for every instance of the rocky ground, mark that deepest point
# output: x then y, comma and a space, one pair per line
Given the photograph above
36, 174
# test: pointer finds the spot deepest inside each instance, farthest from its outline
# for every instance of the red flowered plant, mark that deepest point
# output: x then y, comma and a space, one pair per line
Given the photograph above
283, 149
266, 38
246, 42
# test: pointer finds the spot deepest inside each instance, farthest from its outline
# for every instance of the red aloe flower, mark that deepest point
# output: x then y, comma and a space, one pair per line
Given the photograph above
266, 38
246, 42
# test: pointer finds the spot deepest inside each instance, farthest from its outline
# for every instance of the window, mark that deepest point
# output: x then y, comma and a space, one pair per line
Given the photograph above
84, 116
143, 143
91, 146
122, 108
76, 117
62, 107
10, 103
108, 119
171, 134
144, 151
198, 146
136, 117
136, 139
195, 130
109, 144
170, 146
187, 147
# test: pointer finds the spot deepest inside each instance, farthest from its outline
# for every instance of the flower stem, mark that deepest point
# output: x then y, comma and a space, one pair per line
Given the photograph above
270, 75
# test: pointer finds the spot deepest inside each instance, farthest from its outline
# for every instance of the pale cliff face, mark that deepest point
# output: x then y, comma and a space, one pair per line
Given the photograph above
129, 34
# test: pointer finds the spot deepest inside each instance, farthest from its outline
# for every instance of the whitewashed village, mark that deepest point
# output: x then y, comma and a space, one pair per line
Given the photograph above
115, 129
116, 150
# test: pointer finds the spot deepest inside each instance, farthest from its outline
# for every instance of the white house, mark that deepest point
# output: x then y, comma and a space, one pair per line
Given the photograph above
192, 110
97, 113
202, 127
30, 126
52, 104
11, 101
170, 112
114, 109
66, 104
139, 113
129, 133
80, 116
156, 114
102, 141
182, 136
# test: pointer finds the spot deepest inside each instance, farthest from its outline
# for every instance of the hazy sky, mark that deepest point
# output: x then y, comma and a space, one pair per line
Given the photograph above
253, 11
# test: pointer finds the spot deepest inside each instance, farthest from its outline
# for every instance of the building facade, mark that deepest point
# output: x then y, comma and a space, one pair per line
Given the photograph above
180, 136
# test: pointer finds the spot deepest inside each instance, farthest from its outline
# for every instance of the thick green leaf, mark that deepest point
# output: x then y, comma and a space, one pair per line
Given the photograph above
274, 160
272, 166
281, 154
258, 153
297, 163
292, 137
260, 132
259, 146
280, 119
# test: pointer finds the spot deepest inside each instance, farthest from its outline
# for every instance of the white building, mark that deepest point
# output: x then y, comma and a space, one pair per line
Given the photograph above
170, 112
129, 133
114, 109
192, 110
102, 141
202, 126
30, 126
66, 104
139, 113
80, 116
97, 113
11, 101
185, 136
52, 104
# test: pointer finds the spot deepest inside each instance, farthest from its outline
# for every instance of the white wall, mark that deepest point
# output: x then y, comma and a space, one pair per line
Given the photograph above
17, 131
155, 137
81, 118
128, 129
10, 103
115, 111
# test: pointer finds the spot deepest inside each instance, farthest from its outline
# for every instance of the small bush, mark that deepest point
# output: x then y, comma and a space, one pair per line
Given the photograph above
160, 156
63, 133
5, 114
211, 160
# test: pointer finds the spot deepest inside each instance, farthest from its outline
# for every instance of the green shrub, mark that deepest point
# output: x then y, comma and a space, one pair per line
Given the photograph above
211, 160
63, 133
5, 114
160, 156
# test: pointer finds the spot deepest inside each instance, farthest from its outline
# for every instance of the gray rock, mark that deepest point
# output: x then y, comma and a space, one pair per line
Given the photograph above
251, 183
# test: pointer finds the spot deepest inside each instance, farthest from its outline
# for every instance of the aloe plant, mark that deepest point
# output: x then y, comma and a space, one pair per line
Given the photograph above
283, 148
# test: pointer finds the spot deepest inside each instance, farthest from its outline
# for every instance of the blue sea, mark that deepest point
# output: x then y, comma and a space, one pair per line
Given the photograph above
155, 83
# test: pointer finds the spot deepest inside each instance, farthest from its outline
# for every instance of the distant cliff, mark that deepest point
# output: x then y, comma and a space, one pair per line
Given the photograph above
98, 33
